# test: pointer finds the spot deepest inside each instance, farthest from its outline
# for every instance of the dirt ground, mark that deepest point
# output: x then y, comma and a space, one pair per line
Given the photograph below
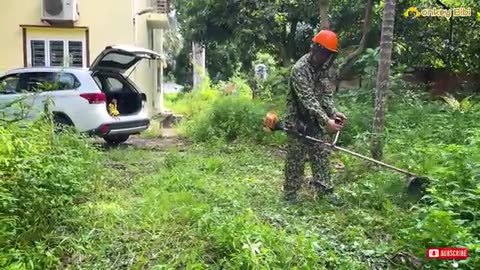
155, 143
167, 139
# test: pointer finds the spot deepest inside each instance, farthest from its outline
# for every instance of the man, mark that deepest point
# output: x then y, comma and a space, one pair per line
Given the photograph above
310, 110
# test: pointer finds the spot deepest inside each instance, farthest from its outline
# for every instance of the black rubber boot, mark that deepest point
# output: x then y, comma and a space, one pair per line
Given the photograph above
334, 199
291, 198
327, 193
320, 188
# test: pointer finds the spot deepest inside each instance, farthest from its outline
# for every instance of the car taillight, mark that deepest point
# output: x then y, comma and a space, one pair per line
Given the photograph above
94, 98
104, 129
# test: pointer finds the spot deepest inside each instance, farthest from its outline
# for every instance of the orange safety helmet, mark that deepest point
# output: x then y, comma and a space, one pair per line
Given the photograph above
326, 39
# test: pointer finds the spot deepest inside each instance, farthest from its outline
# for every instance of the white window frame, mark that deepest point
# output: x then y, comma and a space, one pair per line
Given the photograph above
66, 47
47, 50
48, 55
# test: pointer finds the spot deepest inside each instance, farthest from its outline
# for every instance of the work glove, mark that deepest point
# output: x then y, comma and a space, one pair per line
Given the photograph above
340, 116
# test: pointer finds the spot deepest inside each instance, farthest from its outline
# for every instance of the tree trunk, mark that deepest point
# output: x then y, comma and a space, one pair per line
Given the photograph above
324, 13
284, 57
383, 77
198, 63
291, 38
349, 61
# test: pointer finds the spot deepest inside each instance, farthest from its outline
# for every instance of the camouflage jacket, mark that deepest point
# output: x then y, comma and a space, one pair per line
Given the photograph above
310, 95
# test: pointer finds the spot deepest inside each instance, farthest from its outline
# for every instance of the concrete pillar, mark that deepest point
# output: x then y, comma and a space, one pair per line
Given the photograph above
161, 82
198, 55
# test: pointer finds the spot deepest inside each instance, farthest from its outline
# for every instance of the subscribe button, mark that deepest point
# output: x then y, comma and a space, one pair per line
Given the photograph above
447, 253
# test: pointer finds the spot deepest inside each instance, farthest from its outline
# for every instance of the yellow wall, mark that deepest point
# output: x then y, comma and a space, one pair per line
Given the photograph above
39, 33
144, 74
109, 22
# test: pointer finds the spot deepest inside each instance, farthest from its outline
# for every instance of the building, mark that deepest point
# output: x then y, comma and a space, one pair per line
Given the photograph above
74, 32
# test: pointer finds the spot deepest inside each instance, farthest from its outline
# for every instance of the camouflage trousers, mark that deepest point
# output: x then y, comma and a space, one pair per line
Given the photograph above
297, 151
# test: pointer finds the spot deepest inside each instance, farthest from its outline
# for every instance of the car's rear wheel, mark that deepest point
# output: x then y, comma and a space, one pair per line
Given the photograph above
61, 123
116, 139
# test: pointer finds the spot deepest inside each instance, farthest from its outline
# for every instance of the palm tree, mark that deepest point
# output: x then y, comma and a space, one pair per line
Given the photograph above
383, 77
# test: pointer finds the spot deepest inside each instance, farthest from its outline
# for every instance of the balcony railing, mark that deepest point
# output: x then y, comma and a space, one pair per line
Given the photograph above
160, 6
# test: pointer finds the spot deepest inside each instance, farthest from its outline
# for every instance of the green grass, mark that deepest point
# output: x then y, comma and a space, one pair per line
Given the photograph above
216, 204
216, 207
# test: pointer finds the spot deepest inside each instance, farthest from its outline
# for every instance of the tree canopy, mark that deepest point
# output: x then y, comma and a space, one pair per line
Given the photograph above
234, 31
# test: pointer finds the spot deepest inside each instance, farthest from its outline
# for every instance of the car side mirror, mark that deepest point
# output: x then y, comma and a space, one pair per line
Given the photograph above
144, 97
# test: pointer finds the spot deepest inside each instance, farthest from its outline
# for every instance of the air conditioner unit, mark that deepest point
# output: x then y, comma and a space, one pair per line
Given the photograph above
160, 6
60, 10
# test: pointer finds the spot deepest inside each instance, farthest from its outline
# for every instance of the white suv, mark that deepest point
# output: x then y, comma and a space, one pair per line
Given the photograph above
81, 97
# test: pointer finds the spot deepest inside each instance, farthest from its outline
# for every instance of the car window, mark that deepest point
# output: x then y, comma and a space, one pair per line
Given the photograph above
114, 85
9, 84
98, 82
119, 58
47, 81
111, 84
67, 81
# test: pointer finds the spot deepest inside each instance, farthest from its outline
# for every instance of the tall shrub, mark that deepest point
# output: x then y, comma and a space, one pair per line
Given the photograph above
43, 177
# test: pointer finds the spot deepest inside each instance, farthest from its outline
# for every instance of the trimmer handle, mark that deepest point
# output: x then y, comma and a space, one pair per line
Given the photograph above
336, 138
338, 121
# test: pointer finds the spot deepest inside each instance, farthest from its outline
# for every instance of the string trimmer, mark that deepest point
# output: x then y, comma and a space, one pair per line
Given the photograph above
416, 184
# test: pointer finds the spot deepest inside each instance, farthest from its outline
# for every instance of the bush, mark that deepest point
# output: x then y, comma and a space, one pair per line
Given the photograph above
228, 118
429, 138
276, 84
193, 102
450, 217
224, 111
236, 86
44, 176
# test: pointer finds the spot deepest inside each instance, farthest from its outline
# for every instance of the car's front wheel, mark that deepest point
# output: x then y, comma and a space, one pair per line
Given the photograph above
116, 139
